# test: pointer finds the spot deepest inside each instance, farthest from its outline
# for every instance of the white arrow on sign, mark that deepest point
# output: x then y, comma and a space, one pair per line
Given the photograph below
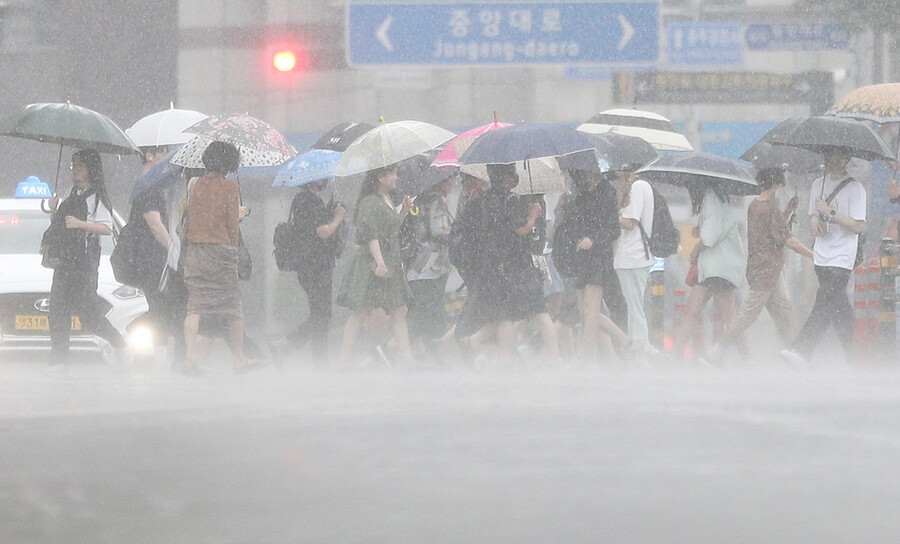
627, 32
382, 33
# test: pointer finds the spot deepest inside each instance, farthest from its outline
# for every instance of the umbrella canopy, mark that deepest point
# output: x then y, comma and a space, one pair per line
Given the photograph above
264, 145
736, 177
536, 176
523, 142
449, 156
623, 152
314, 165
793, 159
191, 155
164, 128
879, 103
162, 173
341, 136
67, 124
389, 144
819, 134
657, 130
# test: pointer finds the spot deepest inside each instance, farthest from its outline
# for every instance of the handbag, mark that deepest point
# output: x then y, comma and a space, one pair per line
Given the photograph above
245, 263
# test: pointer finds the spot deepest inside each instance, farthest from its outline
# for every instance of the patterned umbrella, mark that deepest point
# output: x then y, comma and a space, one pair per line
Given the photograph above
879, 103
454, 149
341, 136
191, 155
656, 129
260, 144
389, 144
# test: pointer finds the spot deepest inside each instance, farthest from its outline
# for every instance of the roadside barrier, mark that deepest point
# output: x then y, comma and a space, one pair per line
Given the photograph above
887, 318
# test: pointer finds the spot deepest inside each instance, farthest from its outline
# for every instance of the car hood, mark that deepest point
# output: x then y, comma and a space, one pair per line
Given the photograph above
20, 273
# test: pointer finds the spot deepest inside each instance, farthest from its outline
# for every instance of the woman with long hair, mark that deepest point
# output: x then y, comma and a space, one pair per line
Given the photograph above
718, 257
86, 214
375, 277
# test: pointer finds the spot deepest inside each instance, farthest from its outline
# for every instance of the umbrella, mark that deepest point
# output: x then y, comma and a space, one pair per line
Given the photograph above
737, 177
652, 127
536, 176
389, 144
820, 134
259, 141
767, 155
879, 103
164, 128
191, 155
449, 156
163, 172
623, 152
314, 165
67, 124
341, 136
525, 141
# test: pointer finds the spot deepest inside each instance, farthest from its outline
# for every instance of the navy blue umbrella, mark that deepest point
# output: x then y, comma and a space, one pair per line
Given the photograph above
162, 173
736, 177
623, 152
523, 142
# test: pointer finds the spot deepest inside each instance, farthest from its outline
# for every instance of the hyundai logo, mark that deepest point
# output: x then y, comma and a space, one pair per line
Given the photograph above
42, 305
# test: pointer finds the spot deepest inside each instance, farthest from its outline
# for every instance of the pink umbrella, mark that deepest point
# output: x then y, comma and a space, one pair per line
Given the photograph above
451, 153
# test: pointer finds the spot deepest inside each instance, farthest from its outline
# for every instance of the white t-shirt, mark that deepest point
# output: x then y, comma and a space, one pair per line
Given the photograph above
838, 246
630, 246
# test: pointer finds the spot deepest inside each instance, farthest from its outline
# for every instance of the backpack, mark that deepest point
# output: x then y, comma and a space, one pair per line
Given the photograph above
62, 247
287, 252
664, 239
411, 239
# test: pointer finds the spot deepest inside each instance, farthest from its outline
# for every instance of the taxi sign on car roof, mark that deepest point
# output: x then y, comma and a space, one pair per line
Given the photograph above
33, 187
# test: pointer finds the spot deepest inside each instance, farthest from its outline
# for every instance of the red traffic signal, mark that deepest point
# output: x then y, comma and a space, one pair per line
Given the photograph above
284, 62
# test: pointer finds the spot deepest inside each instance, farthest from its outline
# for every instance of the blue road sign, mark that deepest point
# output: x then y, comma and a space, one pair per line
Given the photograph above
501, 33
800, 36
707, 44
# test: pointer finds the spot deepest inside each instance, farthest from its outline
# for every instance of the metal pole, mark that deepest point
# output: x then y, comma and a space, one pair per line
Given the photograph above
888, 316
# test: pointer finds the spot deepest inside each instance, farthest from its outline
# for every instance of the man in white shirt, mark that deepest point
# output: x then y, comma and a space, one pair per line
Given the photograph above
837, 209
632, 258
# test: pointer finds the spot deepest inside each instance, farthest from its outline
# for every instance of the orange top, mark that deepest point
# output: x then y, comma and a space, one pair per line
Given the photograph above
213, 211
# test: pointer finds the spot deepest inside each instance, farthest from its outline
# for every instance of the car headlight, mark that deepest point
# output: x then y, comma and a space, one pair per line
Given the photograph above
126, 292
140, 339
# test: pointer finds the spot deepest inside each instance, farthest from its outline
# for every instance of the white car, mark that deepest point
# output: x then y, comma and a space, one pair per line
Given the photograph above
25, 287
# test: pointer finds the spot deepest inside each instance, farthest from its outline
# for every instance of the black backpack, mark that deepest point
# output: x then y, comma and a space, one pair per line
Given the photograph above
411, 239
288, 253
62, 247
665, 237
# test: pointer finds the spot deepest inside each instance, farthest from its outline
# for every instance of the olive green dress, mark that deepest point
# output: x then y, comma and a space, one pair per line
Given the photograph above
361, 288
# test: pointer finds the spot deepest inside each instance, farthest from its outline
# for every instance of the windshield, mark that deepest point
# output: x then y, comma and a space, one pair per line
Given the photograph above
21, 232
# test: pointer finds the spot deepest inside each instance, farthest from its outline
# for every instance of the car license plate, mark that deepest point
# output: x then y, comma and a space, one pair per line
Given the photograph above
41, 323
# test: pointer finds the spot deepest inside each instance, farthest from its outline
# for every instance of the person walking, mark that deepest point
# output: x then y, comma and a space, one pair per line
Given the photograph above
632, 259
718, 258
211, 263
768, 233
86, 214
316, 225
375, 277
837, 210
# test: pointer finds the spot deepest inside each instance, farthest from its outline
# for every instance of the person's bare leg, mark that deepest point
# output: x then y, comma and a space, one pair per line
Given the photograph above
550, 351
191, 326
401, 335
351, 332
236, 342
506, 341
696, 302
590, 298
726, 309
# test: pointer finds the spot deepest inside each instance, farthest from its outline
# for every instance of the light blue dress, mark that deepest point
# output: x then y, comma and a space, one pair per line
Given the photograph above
723, 256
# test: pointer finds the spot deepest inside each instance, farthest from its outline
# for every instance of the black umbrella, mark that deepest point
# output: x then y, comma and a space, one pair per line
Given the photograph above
341, 136
736, 177
821, 134
794, 159
523, 142
623, 152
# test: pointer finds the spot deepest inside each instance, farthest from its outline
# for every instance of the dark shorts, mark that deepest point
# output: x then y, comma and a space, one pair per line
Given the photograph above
715, 283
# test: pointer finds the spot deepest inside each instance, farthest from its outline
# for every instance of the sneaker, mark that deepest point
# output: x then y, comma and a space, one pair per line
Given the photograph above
714, 354
794, 359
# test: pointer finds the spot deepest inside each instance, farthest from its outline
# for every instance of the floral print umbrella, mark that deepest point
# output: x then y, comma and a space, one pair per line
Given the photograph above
259, 142
879, 103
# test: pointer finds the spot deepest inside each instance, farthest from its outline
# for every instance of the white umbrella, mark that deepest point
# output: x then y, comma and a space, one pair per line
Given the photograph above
164, 127
191, 155
389, 144
544, 176
649, 126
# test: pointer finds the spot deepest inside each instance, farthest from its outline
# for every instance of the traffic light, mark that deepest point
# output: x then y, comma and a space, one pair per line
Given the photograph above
284, 62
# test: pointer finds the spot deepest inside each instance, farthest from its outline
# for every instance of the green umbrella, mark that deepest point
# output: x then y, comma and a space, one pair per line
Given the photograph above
67, 124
